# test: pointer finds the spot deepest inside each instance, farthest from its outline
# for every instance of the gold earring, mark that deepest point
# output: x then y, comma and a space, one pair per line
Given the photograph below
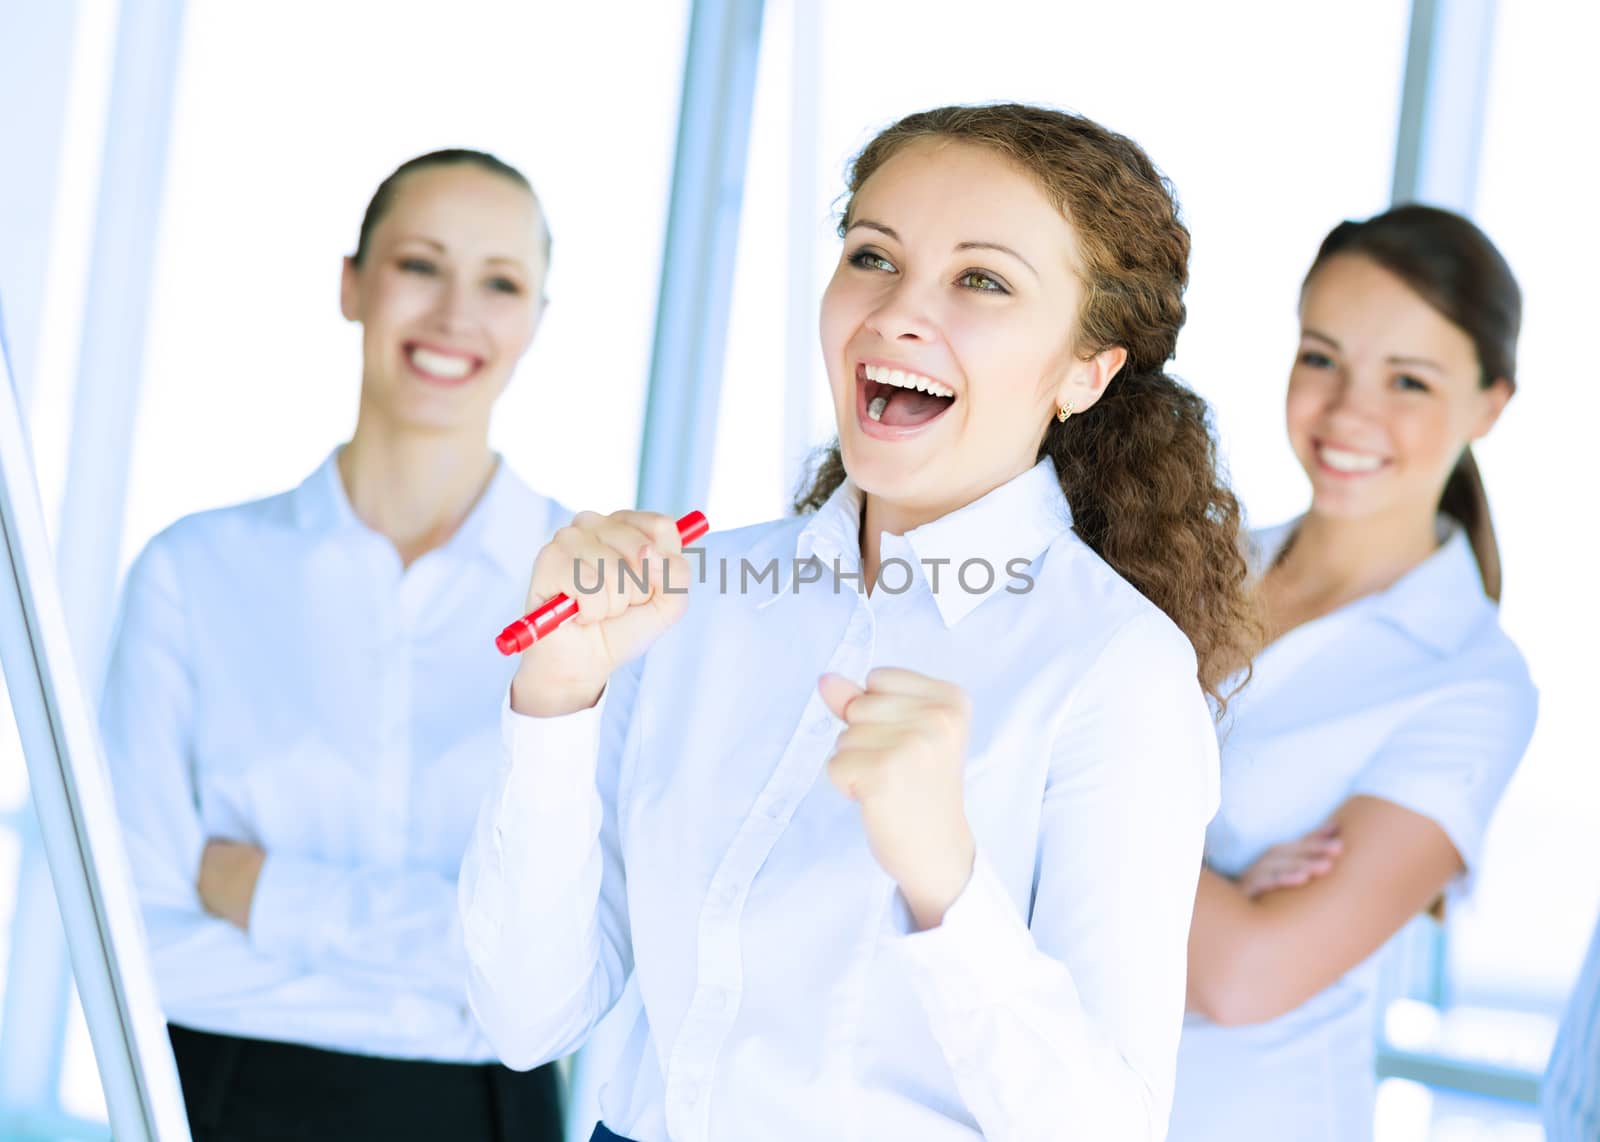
1065, 411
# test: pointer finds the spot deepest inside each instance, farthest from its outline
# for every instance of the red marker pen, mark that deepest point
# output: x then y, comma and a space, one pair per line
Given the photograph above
550, 614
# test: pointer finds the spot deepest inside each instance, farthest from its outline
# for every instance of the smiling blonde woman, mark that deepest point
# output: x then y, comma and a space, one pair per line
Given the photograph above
300, 710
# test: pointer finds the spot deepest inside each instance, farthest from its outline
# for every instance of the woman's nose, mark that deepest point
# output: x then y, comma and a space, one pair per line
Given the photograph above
1350, 395
1352, 401
902, 314
454, 308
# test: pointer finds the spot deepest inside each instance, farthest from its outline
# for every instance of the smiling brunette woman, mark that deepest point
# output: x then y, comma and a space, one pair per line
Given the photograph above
1382, 723
912, 858
301, 711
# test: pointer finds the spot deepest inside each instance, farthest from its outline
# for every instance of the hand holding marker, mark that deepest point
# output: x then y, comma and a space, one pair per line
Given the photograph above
543, 620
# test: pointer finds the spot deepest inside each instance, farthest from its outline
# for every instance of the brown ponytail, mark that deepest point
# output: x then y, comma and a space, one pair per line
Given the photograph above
1452, 265
1139, 468
1466, 500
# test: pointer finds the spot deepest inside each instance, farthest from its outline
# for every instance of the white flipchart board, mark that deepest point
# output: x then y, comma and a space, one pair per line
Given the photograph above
77, 818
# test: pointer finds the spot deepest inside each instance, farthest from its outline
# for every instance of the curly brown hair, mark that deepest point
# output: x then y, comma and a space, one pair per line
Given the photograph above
1139, 468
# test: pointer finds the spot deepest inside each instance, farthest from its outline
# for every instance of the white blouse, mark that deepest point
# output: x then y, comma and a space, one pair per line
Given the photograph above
702, 848
277, 678
1413, 695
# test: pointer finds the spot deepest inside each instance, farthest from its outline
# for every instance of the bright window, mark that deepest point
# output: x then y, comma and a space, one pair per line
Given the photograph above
288, 116
1520, 942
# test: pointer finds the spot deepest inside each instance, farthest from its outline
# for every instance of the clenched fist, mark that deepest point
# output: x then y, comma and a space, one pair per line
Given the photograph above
900, 758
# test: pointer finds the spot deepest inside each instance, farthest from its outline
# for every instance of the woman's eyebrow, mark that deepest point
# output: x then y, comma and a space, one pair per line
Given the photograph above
507, 259
868, 224
1406, 362
1417, 362
1002, 249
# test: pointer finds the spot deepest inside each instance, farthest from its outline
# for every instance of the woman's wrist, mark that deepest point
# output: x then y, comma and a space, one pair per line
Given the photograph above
932, 897
541, 701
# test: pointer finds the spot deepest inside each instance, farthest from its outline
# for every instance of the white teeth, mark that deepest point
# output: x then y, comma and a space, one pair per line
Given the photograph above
1342, 461
904, 380
875, 409
439, 364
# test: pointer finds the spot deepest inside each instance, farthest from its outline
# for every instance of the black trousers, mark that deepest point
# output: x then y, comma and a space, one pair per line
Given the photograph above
252, 1090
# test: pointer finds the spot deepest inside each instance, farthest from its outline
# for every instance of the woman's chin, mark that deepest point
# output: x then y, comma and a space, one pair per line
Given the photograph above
430, 418
419, 408
879, 471
1338, 501
898, 485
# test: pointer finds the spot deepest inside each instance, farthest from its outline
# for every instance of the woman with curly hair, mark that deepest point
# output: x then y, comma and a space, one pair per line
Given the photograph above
1388, 713
896, 808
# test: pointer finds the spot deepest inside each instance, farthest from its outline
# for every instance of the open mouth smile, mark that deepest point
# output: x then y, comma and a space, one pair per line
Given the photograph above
893, 403
441, 366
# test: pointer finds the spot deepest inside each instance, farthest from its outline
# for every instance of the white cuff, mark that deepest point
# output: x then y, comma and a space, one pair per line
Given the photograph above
552, 762
981, 952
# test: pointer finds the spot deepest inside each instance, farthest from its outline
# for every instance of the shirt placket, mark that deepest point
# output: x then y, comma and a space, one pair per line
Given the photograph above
719, 978
392, 728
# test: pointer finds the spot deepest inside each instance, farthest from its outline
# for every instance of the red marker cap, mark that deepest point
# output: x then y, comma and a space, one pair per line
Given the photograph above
550, 614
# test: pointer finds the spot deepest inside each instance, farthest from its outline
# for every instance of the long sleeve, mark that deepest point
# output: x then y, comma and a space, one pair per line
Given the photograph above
1064, 1024
147, 716
396, 927
542, 892
1570, 1095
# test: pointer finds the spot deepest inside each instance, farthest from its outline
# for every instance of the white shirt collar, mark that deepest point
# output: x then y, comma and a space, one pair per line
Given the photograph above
1016, 521
495, 527
1437, 603
319, 504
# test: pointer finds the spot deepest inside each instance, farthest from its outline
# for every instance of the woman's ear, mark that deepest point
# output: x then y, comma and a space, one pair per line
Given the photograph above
350, 290
1495, 397
1087, 378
